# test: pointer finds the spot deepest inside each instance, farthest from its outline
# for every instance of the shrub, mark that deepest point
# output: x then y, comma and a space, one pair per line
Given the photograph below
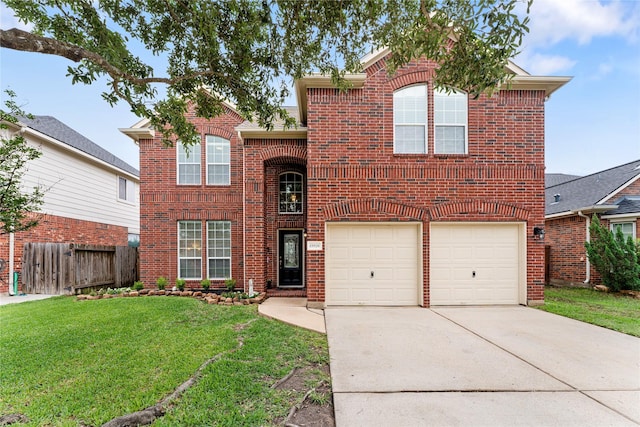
138, 285
180, 284
616, 259
161, 282
230, 284
205, 283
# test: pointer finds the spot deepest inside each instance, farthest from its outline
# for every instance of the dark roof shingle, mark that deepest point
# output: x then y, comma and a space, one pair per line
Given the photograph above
589, 190
54, 128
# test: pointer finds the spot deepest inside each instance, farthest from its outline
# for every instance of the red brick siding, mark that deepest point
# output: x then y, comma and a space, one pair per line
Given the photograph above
163, 203
351, 173
57, 229
566, 237
568, 257
350, 152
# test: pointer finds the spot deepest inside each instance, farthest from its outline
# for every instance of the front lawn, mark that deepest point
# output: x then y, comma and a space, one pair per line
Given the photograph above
71, 363
613, 311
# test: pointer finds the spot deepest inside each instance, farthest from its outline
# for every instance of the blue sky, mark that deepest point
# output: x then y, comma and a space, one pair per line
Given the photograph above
592, 123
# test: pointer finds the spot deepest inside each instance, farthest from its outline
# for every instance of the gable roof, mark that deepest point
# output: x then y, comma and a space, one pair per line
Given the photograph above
593, 192
55, 129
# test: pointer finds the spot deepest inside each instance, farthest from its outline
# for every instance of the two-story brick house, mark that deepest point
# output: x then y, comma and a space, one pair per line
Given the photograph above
392, 193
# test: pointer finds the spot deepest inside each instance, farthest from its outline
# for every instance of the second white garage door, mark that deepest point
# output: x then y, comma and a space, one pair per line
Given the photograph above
475, 263
373, 264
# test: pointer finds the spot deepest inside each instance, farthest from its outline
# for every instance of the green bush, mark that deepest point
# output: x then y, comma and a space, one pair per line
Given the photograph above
613, 257
180, 284
161, 282
206, 284
138, 286
230, 284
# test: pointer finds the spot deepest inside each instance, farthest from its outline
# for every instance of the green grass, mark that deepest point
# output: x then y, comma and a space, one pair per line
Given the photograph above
68, 363
613, 311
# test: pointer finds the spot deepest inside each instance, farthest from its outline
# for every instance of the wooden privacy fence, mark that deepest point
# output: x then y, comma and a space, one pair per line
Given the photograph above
64, 268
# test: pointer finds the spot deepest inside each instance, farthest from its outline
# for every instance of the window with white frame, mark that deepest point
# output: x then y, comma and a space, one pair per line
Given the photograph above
219, 249
410, 120
189, 249
291, 193
126, 190
450, 122
628, 229
218, 161
188, 164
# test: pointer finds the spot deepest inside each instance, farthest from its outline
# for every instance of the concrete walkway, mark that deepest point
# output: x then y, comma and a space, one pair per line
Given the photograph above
473, 366
5, 298
293, 311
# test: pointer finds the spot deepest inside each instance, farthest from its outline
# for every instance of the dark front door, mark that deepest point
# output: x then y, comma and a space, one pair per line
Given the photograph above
290, 258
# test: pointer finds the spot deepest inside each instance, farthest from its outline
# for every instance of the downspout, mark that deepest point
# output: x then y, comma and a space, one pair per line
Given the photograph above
11, 255
244, 218
588, 272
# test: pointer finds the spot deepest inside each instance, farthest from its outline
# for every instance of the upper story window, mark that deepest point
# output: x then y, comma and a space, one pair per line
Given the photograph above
218, 161
188, 164
126, 190
291, 192
410, 120
628, 229
411, 115
450, 122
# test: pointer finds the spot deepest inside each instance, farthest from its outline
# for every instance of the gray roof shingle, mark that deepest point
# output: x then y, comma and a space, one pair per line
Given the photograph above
589, 190
54, 128
628, 204
551, 179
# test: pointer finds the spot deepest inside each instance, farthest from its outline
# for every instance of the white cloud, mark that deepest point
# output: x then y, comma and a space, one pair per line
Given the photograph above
539, 64
553, 21
8, 20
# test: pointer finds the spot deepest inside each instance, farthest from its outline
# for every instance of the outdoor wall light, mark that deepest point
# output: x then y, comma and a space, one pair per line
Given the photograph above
538, 233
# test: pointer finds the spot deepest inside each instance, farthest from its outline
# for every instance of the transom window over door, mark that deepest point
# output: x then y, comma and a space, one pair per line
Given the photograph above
218, 161
291, 193
450, 121
410, 120
188, 164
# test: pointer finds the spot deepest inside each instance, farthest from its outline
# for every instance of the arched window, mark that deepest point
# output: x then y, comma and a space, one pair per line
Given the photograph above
291, 193
410, 120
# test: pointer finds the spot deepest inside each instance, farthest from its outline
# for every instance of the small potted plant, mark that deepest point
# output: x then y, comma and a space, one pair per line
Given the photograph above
206, 284
180, 284
161, 282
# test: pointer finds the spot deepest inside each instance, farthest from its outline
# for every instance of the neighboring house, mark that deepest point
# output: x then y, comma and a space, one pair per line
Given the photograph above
612, 194
392, 193
90, 196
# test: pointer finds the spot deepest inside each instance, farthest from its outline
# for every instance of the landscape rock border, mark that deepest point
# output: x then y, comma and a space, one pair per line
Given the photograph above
208, 297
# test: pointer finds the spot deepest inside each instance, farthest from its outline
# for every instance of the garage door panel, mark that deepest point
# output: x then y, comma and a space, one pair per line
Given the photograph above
490, 250
390, 251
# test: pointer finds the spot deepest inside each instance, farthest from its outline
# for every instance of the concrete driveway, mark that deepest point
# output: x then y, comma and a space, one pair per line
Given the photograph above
479, 366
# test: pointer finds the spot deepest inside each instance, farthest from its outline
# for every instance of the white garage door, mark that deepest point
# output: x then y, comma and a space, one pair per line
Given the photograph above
373, 264
474, 263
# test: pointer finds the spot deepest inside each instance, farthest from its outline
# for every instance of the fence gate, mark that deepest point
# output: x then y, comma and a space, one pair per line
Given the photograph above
64, 268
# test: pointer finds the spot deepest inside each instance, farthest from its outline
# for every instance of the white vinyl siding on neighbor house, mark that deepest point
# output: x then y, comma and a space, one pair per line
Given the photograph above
189, 249
628, 229
219, 249
410, 120
450, 122
218, 161
188, 164
78, 187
